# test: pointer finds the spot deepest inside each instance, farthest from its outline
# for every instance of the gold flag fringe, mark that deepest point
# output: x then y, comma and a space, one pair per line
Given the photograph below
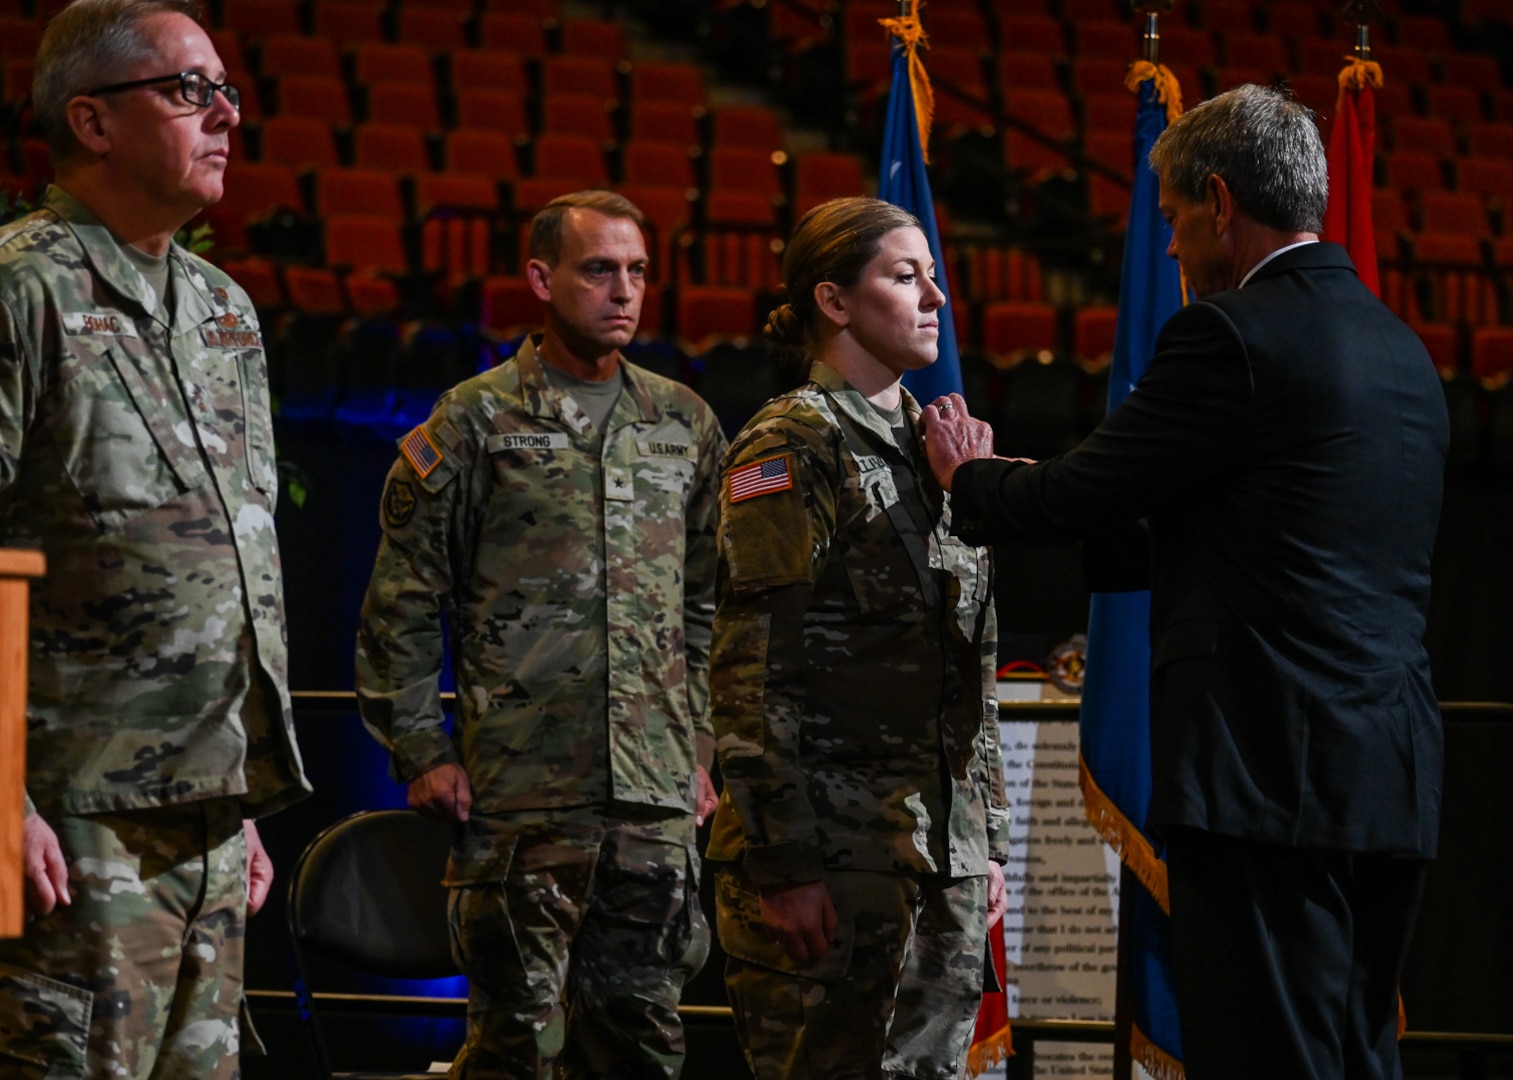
1154, 1060
1357, 74
997, 1047
1133, 849
912, 35
1168, 89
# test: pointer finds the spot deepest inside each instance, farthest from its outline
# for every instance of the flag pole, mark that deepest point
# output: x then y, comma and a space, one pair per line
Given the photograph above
1362, 12
1124, 968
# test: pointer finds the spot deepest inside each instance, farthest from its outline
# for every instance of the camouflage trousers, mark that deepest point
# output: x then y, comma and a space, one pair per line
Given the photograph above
897, 996
577, 932
141, 976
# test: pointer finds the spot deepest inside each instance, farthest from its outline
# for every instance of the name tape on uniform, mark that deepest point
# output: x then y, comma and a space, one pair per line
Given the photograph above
760, 478
420, 452
869, 463
527, 440
84, 322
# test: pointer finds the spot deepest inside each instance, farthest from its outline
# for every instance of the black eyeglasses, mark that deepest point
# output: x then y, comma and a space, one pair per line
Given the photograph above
196, 88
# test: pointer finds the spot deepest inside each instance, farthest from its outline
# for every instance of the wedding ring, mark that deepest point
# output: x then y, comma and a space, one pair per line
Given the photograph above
944, 405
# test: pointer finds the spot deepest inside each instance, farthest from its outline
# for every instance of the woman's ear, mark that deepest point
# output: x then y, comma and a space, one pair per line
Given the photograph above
830, 299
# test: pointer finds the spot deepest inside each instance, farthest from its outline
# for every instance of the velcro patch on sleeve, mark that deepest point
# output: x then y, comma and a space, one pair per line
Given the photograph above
422, 454
761, 478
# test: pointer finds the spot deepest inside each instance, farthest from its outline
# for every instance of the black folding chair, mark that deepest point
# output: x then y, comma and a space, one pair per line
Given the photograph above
367, 893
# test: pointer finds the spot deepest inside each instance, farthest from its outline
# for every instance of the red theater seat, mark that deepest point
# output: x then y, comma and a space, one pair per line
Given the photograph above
494, 110
382, 62
707, 314
665, 164
488, 69
358, 191
303, 142
390, 146
1008, 327
296, 54
665, 121
513, 31
482, 152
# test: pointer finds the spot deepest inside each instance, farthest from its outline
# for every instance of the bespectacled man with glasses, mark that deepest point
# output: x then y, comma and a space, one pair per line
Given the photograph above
136, 452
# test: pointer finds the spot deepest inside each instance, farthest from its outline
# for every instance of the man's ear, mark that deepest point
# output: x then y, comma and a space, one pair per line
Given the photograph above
1218, 195
831, 302
539, 275
89, 124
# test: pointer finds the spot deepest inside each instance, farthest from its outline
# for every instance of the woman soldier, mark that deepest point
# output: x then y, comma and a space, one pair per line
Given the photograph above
863, 821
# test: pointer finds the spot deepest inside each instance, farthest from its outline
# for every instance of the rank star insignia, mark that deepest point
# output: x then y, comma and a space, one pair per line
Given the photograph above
399, 503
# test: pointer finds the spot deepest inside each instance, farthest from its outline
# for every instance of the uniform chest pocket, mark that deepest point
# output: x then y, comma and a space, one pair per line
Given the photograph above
882, 576
262, 460
664, 483
127, 448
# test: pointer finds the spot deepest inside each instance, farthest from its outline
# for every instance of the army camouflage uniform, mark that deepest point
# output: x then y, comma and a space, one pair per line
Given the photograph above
138, 456
575, 571
855, 710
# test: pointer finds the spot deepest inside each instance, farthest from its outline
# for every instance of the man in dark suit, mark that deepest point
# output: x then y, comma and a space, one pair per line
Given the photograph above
1286, 447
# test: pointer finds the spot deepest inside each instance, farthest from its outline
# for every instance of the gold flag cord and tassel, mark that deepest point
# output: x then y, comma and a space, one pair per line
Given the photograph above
997, 1047
909, 32
1168, 89
1357, 74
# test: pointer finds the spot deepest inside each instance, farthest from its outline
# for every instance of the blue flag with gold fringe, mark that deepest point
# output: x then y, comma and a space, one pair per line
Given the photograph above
1115, 717
904, 182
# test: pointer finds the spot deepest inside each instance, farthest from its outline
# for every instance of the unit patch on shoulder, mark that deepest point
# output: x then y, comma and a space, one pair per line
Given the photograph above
422, 454
761, 478
399, 503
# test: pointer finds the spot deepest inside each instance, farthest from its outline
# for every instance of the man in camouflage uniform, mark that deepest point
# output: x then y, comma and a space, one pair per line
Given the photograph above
136, 451
559, 511
855, 706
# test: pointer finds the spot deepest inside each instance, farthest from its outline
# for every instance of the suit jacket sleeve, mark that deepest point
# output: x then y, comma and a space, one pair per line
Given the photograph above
1181, 429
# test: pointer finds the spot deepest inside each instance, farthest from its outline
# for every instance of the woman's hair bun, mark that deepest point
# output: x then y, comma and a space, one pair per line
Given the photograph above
784, 327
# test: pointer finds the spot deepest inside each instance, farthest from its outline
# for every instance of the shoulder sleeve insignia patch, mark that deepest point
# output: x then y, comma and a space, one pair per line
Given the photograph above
422, 454
399, 503
760, 478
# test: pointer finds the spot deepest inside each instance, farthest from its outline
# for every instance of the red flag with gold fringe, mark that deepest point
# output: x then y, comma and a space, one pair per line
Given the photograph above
1352, 149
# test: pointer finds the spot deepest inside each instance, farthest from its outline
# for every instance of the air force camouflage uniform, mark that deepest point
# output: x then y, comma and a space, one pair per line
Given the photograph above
136, 451
854, 704
575, 570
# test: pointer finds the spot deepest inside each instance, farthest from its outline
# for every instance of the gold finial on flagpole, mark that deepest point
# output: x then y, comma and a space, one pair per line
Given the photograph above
1362, 12
1151, 42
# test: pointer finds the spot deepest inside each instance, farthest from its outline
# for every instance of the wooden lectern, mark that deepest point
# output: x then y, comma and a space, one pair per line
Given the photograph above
16, 566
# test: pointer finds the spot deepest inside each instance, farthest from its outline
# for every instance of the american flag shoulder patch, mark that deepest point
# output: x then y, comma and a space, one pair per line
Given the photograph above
422, 454
761, 478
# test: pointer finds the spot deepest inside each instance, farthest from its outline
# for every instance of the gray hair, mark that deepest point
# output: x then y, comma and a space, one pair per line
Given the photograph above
91, 43
1262, 143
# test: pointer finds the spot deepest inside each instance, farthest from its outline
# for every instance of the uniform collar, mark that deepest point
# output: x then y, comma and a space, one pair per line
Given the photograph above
102, 250
857, 408
542, 399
